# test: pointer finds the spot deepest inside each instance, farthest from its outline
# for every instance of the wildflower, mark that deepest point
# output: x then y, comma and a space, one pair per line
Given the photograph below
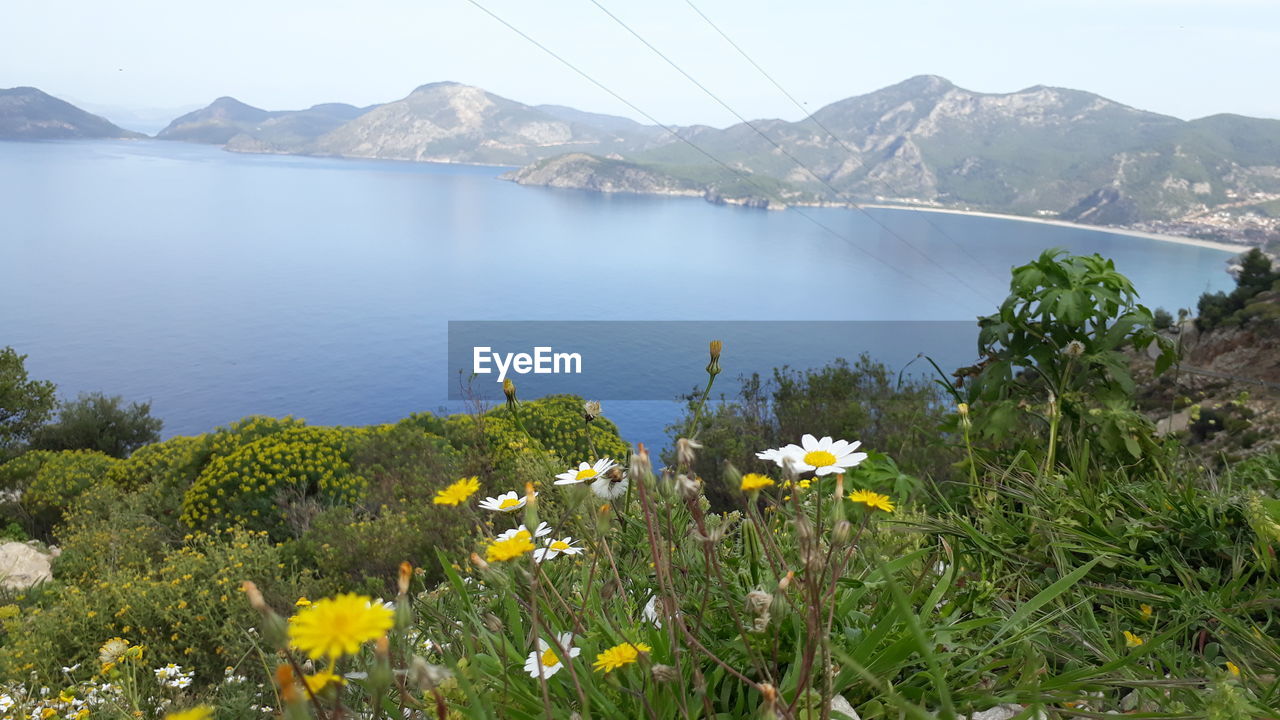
1073, 349
544, 661
511, 547
199, 712
822, 457
685, 454
1131, 640
664, 674
563, 546
752, 482
338, 626
112, 650
458, 492
317, 682
591, 410
542, 530
302, 602
585, 472
173, 676
713, 367
506, 502
1146, 611
619, 656
872, 500
611, 485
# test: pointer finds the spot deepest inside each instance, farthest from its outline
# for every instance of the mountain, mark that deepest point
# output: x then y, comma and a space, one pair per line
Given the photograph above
451, 122
226, 120
30, 114
222, 120
1042, 150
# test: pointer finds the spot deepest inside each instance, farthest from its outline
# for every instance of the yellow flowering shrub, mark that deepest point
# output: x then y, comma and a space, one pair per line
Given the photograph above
48, 482
173, 463
186, 608
255, 484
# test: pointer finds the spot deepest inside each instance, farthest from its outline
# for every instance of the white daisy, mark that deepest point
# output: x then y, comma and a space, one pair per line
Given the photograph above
609, 489
585, 472
542, 531
563, 546
506, 502
822, 457
546, 659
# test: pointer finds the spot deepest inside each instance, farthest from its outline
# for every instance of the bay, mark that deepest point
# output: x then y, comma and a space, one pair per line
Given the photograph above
219, 285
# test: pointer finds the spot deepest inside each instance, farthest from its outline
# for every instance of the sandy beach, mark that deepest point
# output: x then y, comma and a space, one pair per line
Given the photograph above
1198, 242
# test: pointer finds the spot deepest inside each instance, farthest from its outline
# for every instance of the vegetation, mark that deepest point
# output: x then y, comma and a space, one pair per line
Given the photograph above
1016, 539
97, 422
25, 404
1243, 304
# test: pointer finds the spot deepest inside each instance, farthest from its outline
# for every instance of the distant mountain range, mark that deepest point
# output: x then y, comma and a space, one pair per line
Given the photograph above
1040, 151
30, 114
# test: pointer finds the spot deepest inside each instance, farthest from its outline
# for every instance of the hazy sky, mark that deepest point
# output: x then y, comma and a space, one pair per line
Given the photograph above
1187, 58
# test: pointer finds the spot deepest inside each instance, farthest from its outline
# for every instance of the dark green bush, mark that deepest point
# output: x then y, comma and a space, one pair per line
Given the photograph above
97, 422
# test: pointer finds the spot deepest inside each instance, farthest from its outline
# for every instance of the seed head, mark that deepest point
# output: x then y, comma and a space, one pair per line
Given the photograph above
591, 410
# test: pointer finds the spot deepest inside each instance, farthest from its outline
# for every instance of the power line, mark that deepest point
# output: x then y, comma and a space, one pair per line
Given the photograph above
713, 158
787, 153
810, 116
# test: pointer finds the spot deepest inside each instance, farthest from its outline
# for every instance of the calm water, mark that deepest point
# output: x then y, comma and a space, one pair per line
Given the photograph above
219, 285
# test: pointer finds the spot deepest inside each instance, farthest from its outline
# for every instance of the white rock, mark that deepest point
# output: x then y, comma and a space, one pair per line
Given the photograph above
22, 565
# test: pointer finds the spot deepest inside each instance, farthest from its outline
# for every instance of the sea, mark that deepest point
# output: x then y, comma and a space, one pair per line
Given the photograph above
217, 285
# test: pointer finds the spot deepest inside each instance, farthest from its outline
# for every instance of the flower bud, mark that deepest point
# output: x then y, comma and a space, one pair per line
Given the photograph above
509, 389
255, 597
479, 562
406, 574
641, 467
785, 582
840, 534
664, 674
493, 622
713, 367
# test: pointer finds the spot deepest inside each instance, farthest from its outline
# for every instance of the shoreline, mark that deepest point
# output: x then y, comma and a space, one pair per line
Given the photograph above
1232, 248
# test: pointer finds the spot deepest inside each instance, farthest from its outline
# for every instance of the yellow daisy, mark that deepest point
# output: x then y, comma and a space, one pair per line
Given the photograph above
754, 481
872, 500
338, 626
510, 546
619, 655
457, 493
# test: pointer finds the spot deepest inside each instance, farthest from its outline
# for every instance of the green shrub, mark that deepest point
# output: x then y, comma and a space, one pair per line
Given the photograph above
97, 422
188, 609
46, 483
275, 483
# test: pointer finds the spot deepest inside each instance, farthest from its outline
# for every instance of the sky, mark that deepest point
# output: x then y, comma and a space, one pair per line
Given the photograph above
1187, 58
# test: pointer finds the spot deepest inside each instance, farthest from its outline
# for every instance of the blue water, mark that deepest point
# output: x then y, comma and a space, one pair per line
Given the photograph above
218, 285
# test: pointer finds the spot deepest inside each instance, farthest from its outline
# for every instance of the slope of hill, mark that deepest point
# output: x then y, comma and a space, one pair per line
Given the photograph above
450, 122
30, 114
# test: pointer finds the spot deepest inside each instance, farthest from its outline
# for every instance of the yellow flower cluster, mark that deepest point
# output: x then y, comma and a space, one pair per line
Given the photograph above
242, 487
619, 656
